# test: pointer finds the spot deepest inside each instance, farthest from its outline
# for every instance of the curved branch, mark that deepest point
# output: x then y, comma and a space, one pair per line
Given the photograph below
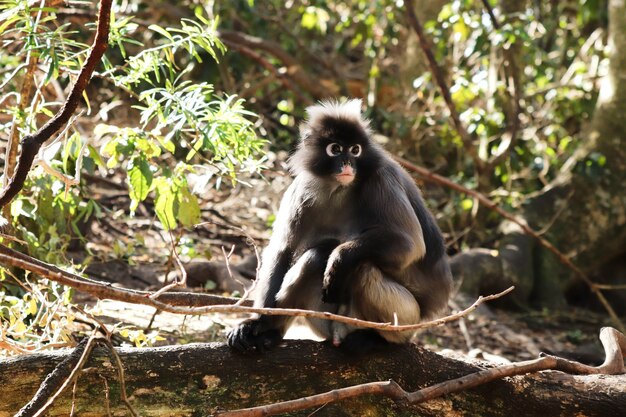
56, 378
562, 258
32, 143
613, 341
106, 291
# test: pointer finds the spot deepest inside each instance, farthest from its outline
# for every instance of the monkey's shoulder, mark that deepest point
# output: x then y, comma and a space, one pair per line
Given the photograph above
390, 183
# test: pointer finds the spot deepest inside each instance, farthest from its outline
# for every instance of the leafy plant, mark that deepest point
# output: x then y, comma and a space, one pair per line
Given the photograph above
190, 137
186, 128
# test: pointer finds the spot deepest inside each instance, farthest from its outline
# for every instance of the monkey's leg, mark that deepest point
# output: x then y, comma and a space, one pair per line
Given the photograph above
265, 331
302, 288
377, 298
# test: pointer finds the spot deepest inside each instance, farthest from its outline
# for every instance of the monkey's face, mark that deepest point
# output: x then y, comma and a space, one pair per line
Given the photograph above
343, 159
339, 151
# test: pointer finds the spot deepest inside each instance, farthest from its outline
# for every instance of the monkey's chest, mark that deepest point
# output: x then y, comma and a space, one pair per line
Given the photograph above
330, 221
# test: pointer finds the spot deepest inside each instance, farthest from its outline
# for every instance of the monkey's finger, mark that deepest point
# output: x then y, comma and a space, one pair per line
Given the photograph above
239, 339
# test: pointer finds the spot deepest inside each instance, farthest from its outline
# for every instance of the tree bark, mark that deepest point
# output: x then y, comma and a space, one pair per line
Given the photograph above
200, 379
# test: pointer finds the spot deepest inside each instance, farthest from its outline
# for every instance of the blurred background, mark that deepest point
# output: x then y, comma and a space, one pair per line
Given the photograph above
179, 149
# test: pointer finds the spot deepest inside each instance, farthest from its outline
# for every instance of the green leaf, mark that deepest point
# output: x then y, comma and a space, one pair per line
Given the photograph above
165, 204
188, 208
139, 181
93, 154
161, 31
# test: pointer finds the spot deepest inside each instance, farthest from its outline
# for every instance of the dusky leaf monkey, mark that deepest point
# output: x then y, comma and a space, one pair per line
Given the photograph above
352, 236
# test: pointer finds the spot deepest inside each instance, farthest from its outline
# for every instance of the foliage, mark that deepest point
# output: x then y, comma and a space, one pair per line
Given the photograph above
183, 124
190, 137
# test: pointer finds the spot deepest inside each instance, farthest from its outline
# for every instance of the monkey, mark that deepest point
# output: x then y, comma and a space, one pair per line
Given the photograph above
352, 236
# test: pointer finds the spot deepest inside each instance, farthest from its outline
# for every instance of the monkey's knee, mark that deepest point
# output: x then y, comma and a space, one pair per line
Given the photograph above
303, 281
378, 298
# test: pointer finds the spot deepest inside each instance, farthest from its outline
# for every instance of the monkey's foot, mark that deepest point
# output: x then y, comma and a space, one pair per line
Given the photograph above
363, 341
248, 337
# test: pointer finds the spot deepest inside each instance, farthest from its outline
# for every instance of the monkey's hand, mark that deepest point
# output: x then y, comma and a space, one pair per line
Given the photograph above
335, 288
252, 335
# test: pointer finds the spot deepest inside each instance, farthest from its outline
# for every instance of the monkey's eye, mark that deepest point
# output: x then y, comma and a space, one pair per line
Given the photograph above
333, 149
355, 150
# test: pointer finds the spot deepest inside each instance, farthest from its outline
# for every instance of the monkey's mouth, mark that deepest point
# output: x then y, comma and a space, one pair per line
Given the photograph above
344, 179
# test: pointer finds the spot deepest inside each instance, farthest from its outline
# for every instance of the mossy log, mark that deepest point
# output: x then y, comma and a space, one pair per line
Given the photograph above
200, 379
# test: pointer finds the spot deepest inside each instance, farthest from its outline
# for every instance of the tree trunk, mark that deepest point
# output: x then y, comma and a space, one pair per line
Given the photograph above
584, 211
200, 379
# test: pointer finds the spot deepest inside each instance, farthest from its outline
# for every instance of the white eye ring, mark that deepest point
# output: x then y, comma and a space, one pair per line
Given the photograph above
356, 150
334, 149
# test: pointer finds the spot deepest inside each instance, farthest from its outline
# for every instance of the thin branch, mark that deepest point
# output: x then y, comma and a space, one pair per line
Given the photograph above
105, 290
120, 375
482, 199
227, 262
183, 272
466, 138
107, 400
250, 241
281, 75
611, 287
56, 382
387, 388
614, 344
32, 143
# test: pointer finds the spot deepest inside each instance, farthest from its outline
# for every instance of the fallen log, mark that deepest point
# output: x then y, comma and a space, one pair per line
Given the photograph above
202, 379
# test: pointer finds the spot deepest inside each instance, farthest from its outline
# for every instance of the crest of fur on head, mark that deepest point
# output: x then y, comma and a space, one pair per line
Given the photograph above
348, 110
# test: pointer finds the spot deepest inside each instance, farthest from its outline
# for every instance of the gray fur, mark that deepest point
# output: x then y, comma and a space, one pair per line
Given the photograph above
371, 248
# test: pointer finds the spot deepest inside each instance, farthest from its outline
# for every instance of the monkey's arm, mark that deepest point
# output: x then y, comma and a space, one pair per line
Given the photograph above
274, 266
388, 249
389, 235
263, 332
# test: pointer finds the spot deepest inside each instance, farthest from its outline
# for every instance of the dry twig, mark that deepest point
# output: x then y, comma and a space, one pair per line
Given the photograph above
56, 382
105, 290
183, 273
562, 258
613, 341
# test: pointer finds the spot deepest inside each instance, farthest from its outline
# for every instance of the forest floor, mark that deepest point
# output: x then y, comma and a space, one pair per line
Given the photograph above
136, 253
